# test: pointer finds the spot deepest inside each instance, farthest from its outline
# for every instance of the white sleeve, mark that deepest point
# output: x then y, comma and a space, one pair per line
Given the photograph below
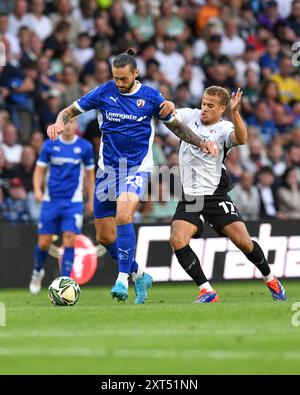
228, 129
184, 115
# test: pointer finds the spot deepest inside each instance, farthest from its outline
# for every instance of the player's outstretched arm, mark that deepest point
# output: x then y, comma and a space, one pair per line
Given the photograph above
186, 134
239, 136
62, 119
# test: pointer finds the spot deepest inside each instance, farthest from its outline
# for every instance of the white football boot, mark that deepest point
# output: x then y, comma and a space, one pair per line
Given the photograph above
36, 281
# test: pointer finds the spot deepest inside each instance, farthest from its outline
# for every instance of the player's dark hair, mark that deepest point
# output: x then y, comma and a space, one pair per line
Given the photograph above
222, 93
126, 58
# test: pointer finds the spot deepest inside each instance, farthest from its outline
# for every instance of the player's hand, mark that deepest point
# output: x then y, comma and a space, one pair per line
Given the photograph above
236, 99
166, 107
89, 208
38, 195
210, 147
54, 130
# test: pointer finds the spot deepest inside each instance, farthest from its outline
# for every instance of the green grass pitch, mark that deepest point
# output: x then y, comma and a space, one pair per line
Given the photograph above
245, 333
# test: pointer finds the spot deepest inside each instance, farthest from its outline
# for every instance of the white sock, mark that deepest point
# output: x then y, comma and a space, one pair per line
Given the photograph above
138, 274
268, 278
206, 286
123, 278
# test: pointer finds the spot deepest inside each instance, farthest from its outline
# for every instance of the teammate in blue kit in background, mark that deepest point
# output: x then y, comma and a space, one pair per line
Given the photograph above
67, 160
125, 114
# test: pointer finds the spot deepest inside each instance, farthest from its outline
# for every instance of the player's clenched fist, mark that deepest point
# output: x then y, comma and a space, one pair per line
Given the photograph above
54, 130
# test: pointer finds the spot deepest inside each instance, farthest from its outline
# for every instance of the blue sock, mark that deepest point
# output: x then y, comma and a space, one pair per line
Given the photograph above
126, 247
67, 261
40, 257
112, 250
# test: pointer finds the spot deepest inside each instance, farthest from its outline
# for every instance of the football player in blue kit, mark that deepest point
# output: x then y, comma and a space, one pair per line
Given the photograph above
65, 161
126, 109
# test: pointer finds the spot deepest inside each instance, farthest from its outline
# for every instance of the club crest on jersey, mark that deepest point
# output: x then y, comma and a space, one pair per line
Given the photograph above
77, 150
140, 103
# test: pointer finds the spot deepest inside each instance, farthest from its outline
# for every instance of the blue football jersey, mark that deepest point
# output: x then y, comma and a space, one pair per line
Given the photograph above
126, 122
66, 161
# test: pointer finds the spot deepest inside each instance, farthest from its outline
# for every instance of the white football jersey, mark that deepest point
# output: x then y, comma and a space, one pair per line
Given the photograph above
201, 173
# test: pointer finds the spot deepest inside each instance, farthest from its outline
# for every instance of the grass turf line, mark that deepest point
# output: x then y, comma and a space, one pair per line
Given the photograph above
245, 333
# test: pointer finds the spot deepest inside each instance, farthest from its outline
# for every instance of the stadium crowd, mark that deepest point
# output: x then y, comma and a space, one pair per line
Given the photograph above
58, 50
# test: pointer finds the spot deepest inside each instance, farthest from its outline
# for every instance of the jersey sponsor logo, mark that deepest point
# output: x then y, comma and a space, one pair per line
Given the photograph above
114, 99
140, 103
117, 117
61, 161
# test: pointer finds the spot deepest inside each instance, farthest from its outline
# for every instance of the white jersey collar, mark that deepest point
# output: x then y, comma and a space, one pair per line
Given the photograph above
139, 85
68, 142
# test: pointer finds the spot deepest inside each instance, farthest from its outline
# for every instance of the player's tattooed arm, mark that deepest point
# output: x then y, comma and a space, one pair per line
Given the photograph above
62, 119
186, 134
66, 114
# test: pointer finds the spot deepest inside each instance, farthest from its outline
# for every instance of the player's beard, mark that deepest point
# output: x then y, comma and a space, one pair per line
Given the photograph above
128, 88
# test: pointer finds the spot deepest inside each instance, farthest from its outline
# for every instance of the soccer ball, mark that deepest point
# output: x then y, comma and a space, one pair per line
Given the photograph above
64, 291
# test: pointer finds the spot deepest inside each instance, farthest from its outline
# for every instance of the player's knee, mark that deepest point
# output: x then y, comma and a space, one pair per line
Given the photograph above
245, 245
124, 218
178, 241
105, 239
44, 244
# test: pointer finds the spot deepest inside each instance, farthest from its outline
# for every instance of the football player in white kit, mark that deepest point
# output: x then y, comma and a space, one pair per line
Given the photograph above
206, 183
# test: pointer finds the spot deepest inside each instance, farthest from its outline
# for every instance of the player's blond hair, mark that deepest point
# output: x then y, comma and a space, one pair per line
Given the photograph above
222, 93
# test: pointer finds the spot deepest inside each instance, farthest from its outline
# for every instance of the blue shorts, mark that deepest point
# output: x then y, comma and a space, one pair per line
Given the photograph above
60, 216
109, 187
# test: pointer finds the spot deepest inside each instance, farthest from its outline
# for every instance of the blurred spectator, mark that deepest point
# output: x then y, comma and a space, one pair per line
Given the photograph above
232, 45
14, 207
36, 141
103, 30
146, 52
289, 194
233, 164
24, 172
170, 61
213, 58
251, 91
50, 109
182, 96
141, 22
83, 52
289, 88
260, 39
11, 149
5, 173
56, 44
18, 17
119, 24
270, 94
208, 11
269, 60
84, 14
12, 40
276, 157
70, 84
262, 120
294, 19
246, 62
268, 193
101, 75
293, 158
37, 21
256, 158
246, 197
64, 13
270, 16
174, 25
